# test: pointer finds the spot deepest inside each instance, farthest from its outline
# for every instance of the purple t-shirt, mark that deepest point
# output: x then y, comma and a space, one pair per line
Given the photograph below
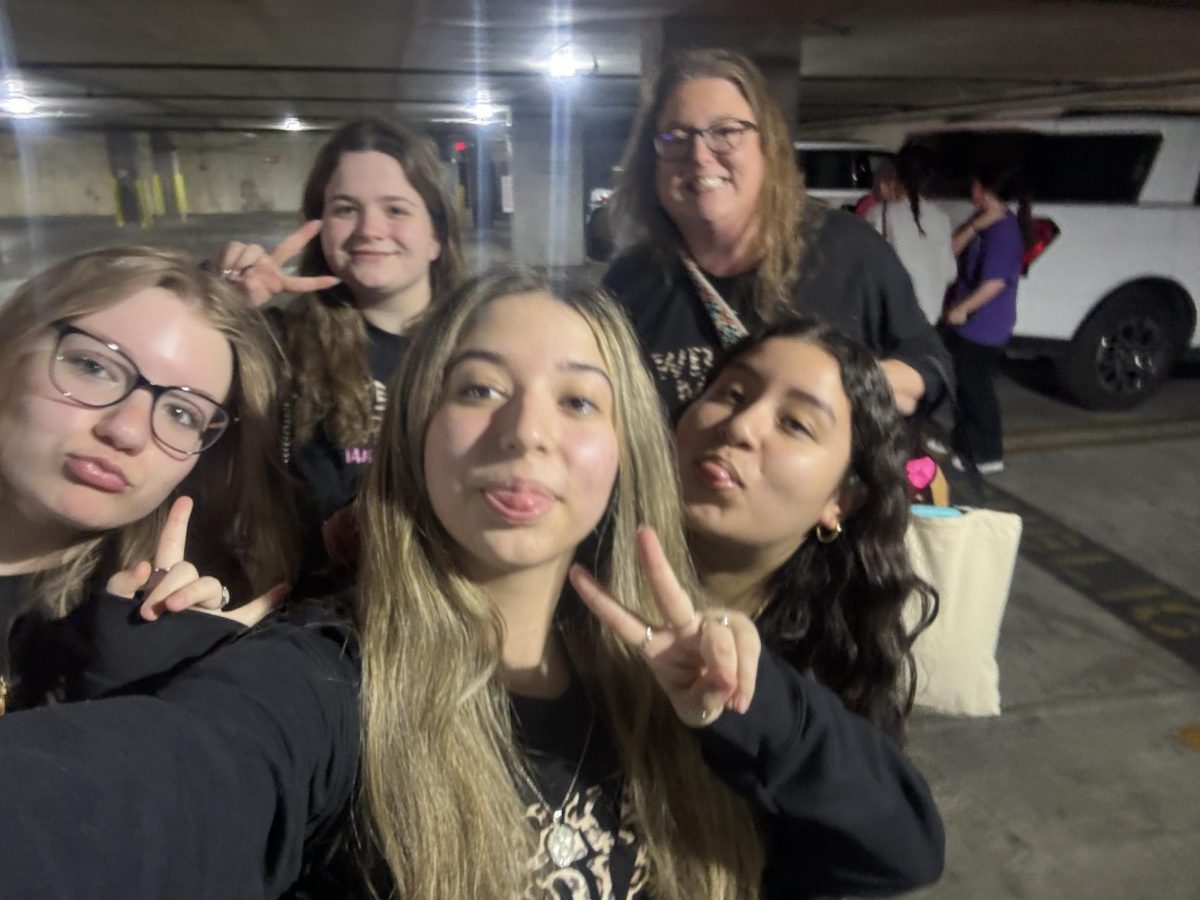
995, 253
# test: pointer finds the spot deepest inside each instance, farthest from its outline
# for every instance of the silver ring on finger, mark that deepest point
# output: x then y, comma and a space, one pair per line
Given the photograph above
224, 596
645, 642
228, 274
723, 619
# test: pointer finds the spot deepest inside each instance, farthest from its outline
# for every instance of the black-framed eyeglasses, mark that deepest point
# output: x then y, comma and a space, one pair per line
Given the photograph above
98, 373
720, 137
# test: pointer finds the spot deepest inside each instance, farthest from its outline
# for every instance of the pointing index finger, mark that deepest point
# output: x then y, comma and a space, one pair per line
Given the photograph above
296, 241
172, 543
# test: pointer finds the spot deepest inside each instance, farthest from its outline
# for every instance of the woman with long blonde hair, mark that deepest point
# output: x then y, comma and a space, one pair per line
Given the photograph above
517, 746
723, 238
95, 451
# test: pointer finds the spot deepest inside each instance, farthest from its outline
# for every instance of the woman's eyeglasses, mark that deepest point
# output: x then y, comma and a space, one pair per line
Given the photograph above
721, 138
97, 373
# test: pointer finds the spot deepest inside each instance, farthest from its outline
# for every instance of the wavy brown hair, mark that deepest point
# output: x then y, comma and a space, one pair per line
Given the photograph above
445, 811
242, 528
326, 336
838, 609
781, 202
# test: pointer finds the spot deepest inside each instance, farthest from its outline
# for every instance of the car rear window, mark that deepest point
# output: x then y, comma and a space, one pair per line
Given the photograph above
840, 169
1063, 168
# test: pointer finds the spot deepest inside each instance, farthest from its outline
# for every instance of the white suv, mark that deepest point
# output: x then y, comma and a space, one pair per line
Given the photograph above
1112, 282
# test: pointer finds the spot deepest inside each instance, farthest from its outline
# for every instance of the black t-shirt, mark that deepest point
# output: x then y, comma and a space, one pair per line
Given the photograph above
609, 860
850, 277
330, 471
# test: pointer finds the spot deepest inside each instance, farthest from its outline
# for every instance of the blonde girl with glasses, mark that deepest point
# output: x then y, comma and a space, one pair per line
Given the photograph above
129, 379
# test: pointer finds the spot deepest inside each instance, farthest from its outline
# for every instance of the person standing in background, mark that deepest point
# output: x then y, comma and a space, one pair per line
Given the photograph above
981, 312
918, 230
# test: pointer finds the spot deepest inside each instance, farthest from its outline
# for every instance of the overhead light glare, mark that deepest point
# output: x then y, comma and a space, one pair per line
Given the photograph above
563, 64
483, 111
291, 123
18, 105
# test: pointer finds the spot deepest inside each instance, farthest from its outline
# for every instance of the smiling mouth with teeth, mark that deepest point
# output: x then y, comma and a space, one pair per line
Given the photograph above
711, 181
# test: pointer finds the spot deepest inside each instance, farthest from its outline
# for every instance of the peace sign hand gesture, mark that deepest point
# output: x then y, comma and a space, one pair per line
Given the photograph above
260, 274
171, 584
705, 662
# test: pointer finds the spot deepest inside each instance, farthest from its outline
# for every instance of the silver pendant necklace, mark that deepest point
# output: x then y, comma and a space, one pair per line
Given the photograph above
562, 839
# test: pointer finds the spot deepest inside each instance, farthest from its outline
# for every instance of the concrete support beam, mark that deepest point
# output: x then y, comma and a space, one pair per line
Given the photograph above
776, 51
547, 171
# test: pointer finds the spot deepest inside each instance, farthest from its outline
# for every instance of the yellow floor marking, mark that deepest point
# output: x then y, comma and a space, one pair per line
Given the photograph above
1190, 736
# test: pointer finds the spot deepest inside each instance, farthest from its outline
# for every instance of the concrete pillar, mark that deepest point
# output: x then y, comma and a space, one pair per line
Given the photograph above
123, 161
547, 170
775, 50
167, 178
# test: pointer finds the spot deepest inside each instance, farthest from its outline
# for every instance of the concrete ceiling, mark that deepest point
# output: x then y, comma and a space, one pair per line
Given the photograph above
245, 64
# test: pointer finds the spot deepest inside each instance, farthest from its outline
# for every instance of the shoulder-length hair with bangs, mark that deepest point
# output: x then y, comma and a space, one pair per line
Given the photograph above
439, 747
242, 530
326, 336
781, 201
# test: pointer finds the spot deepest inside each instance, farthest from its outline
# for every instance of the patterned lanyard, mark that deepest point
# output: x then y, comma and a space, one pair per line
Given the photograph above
729, 327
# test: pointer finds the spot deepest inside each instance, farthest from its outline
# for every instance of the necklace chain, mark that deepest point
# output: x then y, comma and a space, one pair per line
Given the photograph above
556, 813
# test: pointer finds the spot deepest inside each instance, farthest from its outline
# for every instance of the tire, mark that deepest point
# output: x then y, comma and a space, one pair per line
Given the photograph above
1123, 353
597, 235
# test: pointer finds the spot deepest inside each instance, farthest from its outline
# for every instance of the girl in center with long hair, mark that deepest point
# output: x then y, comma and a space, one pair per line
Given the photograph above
662, 755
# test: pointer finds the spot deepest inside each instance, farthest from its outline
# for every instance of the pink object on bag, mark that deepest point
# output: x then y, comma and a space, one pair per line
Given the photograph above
921, 471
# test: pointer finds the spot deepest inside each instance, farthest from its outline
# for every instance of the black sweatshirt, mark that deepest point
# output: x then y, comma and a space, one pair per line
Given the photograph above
329, 470
211, 787
849, 277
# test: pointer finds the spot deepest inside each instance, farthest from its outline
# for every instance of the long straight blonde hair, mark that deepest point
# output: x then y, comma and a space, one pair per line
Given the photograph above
242, 529
439, 749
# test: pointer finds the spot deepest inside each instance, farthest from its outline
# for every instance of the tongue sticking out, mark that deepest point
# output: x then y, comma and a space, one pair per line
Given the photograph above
716, 475
519, 506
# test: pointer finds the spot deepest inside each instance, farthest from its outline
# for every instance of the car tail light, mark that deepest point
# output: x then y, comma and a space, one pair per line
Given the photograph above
1044, 233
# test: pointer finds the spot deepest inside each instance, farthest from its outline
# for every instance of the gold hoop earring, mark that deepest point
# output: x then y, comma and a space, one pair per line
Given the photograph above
827, 535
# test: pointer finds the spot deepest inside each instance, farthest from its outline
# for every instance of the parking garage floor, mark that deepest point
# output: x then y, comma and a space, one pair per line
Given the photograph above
1088, 784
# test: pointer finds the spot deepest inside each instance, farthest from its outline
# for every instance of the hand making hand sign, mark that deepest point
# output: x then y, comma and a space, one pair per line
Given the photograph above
706, 662
260, 274
171, 584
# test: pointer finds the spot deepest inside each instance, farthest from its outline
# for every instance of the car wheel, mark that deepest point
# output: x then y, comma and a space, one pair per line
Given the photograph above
1123, 353
597, 235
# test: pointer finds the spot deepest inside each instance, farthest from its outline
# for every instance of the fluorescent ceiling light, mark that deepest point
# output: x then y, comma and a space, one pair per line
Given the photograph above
291, 123
563, 63
18, 105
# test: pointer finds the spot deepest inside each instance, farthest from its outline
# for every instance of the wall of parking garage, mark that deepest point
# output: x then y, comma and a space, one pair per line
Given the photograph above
47, 173
54, 174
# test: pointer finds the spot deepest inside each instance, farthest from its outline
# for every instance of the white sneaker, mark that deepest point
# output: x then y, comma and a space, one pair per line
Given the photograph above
991, 467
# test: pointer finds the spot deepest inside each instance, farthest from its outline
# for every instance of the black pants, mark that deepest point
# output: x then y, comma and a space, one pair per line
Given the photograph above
977, 428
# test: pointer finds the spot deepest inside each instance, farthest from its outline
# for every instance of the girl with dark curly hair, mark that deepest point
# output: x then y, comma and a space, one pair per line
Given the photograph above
792, 464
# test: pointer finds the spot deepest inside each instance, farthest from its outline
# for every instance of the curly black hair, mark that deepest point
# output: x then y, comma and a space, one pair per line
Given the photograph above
837, 609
